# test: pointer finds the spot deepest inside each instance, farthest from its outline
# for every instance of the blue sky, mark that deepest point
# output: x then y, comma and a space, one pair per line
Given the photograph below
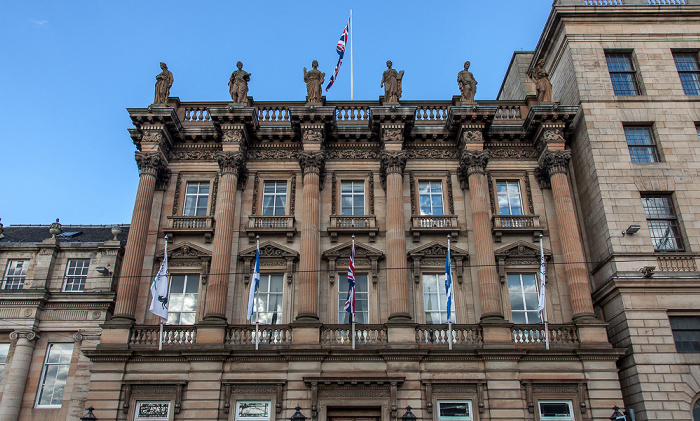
70, 69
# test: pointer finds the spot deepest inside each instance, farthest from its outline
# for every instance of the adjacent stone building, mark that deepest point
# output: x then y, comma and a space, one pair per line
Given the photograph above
589, 148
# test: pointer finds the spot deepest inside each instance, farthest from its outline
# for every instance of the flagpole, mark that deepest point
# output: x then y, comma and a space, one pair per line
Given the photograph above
257, 318
449, 318
353, 305
544, 310
160, 330
351, 66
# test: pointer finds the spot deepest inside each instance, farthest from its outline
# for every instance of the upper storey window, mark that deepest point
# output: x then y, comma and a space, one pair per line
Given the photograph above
509, 199
622, 74
15, 274
274, 198
352, 198
689, 72
76, 275
640, 142
196, 198
663, 225
430, 198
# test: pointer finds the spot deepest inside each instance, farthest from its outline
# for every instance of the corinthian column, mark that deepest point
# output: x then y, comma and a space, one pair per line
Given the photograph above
392, 166
17, 374
473, 166
231, 164
554, 164
312, 166
151, 165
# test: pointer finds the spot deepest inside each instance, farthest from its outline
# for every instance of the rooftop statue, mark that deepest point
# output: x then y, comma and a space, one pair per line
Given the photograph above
238, 85
163, 83
314, 79
391, 81
467, 84
542, 84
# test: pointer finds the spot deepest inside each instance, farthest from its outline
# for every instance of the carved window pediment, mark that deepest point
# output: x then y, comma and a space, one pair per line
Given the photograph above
365, 257
519, 253
185, 250
271, 254
433, 254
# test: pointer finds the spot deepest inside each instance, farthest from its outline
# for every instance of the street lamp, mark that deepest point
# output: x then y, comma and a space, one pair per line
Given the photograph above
89, 416
298, 416
408, 416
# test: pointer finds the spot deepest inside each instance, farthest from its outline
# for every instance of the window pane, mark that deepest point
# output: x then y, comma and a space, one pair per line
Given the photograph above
662, 223
54, 374
453, 409
622, 73
555, 409
196, 199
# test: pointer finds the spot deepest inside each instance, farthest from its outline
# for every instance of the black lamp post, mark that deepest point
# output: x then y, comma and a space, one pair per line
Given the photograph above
408, 416
89, 416
298, 416
617, 416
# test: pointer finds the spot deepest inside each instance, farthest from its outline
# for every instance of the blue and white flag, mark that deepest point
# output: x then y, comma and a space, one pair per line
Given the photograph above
340, 49
254, 284
448, 284
159, 290
541, 299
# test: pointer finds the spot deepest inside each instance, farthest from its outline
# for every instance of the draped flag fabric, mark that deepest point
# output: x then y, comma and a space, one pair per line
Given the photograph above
350, 302
340, 49
541, 298
448, 285
254, 284
159, 291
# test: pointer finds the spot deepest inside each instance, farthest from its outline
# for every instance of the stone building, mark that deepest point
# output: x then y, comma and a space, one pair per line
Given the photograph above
592, 134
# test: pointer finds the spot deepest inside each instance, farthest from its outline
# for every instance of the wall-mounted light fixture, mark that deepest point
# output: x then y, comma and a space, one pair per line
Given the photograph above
103, 270
632, 229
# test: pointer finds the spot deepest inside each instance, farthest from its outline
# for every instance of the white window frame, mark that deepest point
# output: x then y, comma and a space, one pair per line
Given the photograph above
139, 403
469, 417
11, 267
354, 185
571, 417
76, 271
509, 196
268, 404
180, 297
197, 197
47, 367
442, 299
361, 317
522, 296
262, 299
431, 194
274, 195
4, 351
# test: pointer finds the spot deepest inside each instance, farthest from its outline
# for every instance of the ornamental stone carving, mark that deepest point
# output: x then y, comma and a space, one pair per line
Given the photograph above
232, 135
555, 162
472, 136
151, 163
312, 136
552, 135
29, 335
542, 83
467, 85
391, 163
164, 81
314, 78
238, 85
473, 162
231, 162
392, 135
312, 162
152, 136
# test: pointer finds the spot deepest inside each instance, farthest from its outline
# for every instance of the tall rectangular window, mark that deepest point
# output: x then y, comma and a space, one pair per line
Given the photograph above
522, 289
556, 410
76, 275
15, 274
640, 143
454, 410
54, 374
663, 225
435, 299
622, 74
268, 304
689, 72
274, 198
430, 198
196, 199
361, 299
509, 200
686, 333
352, 198
182, 305
4, 350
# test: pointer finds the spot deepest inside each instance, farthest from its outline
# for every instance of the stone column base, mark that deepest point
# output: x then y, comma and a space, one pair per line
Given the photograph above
306, 334
592, 333
497, 335
210, 333
113, 333
404, 334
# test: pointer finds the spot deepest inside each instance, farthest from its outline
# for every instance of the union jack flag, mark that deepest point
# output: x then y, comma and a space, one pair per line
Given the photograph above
350, 302
340, 49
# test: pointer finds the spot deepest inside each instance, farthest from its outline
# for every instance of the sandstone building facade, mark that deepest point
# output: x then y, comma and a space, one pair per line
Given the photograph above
613, 149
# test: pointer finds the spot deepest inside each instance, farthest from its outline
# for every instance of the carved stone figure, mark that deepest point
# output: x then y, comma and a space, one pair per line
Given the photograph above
238, 85
467, 84
314, 79
391, 81
163, 83
543, 86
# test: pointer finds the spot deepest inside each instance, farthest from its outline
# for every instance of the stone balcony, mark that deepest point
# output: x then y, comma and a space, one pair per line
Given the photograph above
434, 224
516, 224
353, 224
190, 225
270, 225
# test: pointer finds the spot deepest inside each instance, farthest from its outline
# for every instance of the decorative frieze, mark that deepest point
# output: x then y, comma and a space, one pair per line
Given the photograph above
193, 154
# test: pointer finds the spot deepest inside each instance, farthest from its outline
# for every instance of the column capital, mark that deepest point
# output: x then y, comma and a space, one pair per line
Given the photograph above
472, 162
552, 162
231, 163
391, 163
154, 165
29, 335
313, 163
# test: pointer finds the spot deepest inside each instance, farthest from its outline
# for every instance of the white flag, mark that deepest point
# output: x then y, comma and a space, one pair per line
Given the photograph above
159, 291
254, 283
541, 299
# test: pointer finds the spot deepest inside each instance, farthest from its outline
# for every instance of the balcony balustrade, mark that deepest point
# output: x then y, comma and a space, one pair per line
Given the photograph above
271, 225
533, 336
434, 224
353, 224
516, 224
190, 225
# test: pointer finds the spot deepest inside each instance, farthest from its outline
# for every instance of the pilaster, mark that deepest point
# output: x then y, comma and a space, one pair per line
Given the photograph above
17, 373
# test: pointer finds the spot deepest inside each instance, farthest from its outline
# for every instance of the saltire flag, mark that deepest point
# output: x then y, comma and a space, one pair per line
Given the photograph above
350, 302
254, 284
541, 298
340, 49
448, 285
159, 291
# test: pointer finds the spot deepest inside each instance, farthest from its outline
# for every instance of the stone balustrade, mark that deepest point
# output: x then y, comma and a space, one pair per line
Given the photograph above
516, 224
258, 224
172, 335
433, 335
353, 224
341, 335
434, 224
190, 225
533, 335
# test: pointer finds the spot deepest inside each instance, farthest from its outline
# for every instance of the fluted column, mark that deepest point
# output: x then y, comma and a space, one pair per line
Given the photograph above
312, 166
473, 165
152, 165
555, 164
16, 374
392, 167
231, 164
